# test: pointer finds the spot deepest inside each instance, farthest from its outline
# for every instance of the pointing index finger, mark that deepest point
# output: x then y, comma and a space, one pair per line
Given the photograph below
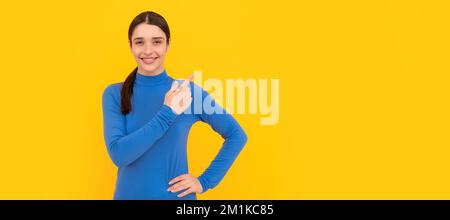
186, 81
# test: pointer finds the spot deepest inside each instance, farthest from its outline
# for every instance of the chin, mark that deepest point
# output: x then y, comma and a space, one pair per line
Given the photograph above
150, 69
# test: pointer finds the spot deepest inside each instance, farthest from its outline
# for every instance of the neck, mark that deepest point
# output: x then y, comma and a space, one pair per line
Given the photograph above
151, 80
151, 73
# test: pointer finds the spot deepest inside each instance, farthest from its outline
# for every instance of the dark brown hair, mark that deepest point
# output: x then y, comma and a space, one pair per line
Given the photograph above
147, 17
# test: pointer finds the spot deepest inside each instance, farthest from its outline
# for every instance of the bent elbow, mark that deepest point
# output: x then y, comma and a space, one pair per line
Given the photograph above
244, 138
116, 157
118, 162
241, 137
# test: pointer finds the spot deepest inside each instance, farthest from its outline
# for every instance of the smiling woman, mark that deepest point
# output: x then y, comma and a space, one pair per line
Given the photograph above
146, 123
148, 48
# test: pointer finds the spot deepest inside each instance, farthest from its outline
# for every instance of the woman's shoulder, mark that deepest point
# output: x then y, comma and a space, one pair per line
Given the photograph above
113, 87
112, 90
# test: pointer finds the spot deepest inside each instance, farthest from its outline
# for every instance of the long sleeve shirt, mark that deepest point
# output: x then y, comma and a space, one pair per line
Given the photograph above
149, 145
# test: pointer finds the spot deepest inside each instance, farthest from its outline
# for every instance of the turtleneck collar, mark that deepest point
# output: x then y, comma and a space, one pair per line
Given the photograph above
151, 80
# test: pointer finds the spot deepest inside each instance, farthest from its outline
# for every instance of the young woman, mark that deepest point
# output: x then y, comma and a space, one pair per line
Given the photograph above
147, 119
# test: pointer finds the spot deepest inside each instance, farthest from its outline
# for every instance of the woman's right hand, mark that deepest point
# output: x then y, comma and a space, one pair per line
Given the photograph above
178, 98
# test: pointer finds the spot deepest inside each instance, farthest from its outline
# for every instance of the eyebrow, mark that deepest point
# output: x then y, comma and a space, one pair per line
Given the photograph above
153, 38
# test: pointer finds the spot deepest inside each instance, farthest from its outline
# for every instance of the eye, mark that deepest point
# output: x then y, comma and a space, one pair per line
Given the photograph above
138, 42
157, 42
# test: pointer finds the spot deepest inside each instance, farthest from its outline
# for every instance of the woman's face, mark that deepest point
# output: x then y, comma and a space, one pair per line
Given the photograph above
149, 47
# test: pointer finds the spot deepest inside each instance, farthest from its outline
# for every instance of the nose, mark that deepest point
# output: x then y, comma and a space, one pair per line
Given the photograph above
148, 49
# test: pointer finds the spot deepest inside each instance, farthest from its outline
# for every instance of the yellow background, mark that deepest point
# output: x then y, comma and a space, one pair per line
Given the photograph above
364, 95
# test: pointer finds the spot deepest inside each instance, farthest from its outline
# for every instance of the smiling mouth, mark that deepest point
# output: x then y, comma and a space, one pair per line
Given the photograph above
148, 60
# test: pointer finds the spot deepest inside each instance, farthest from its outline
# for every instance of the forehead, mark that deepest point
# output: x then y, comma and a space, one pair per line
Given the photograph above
147, 31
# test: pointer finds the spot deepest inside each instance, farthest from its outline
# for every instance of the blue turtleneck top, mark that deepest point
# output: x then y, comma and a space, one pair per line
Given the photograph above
148, 145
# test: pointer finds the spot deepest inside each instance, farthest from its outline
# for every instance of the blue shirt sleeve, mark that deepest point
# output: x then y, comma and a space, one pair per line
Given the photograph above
124, 148
234, 140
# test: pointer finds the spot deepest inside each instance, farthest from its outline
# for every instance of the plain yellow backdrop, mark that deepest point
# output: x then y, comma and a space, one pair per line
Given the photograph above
364, 95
